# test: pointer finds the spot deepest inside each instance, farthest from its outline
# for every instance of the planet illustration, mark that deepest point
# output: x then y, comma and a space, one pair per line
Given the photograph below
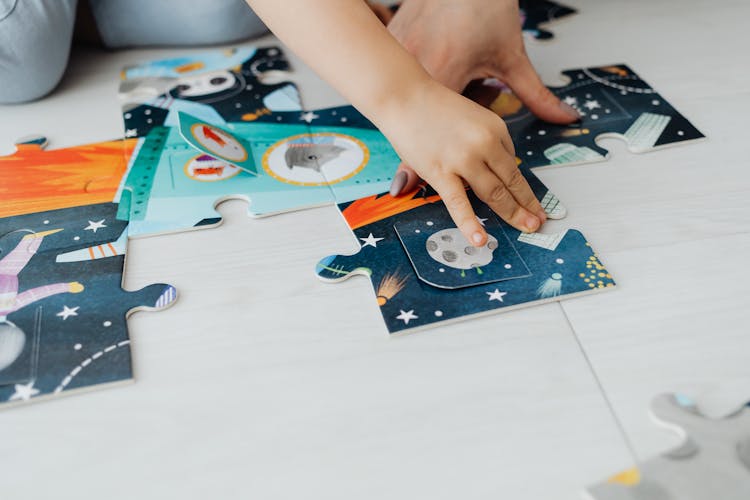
12, 341
449, 247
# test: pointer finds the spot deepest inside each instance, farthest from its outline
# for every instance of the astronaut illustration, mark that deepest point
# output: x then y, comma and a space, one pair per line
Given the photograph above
214, 88
12, 338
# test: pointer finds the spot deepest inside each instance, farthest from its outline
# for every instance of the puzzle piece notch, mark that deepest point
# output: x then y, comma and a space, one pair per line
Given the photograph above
711, 462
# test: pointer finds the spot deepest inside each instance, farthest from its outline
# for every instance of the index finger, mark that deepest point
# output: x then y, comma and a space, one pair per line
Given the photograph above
453, 193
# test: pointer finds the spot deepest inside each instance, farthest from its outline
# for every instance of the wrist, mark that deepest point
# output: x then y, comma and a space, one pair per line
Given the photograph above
402, 98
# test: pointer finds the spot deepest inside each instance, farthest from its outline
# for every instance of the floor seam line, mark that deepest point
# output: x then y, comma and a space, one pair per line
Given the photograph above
607, 401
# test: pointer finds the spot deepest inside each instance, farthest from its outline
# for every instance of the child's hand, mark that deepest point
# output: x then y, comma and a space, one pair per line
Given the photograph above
445, 137
450, 140
462, 40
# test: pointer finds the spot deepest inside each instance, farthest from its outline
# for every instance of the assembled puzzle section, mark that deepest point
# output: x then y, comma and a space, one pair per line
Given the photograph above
712, 462
217, 87
535, 13
613, 102
319, 157
424, 271
62, 309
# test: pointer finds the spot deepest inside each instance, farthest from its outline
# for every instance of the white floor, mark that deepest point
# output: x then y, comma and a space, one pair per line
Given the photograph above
262, 382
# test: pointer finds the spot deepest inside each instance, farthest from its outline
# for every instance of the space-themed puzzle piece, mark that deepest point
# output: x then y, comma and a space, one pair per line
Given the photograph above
424, 272
174, 187
534, 13
712, 462
216, 87
613, 102
62, 307
35, 179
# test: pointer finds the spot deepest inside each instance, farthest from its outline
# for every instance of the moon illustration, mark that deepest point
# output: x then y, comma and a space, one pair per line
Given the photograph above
449, 247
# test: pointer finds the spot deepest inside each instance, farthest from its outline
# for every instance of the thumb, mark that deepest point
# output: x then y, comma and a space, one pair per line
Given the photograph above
524, 81
405, 180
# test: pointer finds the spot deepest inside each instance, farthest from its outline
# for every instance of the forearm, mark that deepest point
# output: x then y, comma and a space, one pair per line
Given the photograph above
346, 44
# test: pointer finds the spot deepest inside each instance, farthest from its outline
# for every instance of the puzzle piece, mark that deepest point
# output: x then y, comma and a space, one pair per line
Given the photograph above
215, 87
712, 462
36, 180
62, 309
537, 12
173, 187
553, 270
613, 101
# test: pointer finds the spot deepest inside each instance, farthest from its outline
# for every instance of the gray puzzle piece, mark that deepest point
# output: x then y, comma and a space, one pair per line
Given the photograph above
712, 463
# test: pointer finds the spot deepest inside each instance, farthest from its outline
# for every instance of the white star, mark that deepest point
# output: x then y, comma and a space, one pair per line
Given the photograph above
371, 241
496, 295
93, 226
592, 104
131, 132
406, 316
570, 100
481, 221
308, 117
24, 392
68, 311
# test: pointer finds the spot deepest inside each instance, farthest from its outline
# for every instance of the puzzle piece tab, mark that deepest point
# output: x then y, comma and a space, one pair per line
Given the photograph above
553, 266
712, 462
613, 102
62, 309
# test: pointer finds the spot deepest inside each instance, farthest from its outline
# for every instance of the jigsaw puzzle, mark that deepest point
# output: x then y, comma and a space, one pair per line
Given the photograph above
424, 272
613, 102
216, 87
534, 13
62, 309
713, 461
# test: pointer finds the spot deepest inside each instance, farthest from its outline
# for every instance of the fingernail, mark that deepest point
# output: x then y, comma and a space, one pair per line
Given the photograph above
398, 183
570, 110
477, 238
532, 223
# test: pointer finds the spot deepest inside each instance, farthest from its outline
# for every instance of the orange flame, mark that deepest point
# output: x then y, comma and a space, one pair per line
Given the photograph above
34, 180
373, 208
